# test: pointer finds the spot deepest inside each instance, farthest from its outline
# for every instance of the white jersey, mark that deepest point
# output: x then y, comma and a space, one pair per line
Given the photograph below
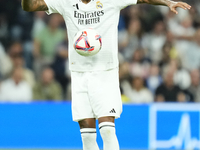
101, 15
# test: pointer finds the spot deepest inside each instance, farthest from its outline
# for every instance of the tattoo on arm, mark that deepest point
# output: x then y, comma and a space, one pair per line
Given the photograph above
41, 7
34, 5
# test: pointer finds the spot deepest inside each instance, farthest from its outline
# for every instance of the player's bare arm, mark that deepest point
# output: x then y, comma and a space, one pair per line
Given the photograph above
171, 4
34, 5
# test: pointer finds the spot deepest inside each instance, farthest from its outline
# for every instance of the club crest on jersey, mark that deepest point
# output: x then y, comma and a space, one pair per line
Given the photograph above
99, 5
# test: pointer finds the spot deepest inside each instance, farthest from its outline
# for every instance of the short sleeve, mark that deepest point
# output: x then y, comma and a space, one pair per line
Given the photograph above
53, 6
124, 3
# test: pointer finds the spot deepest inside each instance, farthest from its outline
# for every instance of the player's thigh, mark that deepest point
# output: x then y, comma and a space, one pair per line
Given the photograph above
81, 107
106, 119
87, 123
105, 94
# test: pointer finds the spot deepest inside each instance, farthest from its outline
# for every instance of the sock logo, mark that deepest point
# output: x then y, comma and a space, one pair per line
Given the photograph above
113, 111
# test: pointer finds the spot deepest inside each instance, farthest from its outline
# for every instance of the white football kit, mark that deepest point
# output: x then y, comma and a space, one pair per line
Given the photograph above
95, 83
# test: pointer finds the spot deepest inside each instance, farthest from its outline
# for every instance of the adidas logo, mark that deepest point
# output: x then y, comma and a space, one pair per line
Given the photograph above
113, 111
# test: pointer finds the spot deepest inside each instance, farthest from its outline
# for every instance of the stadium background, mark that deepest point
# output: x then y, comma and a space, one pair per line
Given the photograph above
159, 55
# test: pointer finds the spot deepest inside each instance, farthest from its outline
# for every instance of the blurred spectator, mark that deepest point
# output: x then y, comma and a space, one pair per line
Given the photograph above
184, 29
47, 88
45, 43
15, 21
194, 13
168, 91
122, 20
3, 27
165, 57
133, 12
139, 66
60, 66
15, 89
20, 22
28, 75
138, 93
15, 49
38, 24
195, 86
5, 63
124, 78
190, 53
18, 48
149, 15
124, 71
154, 41
129, 39
125, 99
154, 79
181, 76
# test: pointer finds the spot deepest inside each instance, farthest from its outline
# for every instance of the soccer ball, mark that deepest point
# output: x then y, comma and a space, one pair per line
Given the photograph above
87, 42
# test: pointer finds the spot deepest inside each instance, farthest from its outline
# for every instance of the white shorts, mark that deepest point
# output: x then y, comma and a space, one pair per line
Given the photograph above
95, 94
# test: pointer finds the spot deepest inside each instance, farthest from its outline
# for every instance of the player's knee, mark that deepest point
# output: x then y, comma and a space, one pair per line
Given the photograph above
89, 139
107, 130
88, 135
107, 133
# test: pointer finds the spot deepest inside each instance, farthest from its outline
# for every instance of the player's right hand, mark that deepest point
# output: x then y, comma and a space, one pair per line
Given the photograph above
173, 5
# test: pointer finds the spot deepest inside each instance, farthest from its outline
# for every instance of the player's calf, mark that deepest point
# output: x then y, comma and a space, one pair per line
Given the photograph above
88, 134
107, 131
89, 139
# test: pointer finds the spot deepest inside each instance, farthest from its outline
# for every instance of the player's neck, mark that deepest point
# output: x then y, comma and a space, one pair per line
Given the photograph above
85, 1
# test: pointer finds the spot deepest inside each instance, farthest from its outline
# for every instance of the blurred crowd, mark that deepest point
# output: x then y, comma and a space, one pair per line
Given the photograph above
159, 55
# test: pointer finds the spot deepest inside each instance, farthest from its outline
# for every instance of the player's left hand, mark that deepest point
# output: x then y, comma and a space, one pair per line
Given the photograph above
173, 5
